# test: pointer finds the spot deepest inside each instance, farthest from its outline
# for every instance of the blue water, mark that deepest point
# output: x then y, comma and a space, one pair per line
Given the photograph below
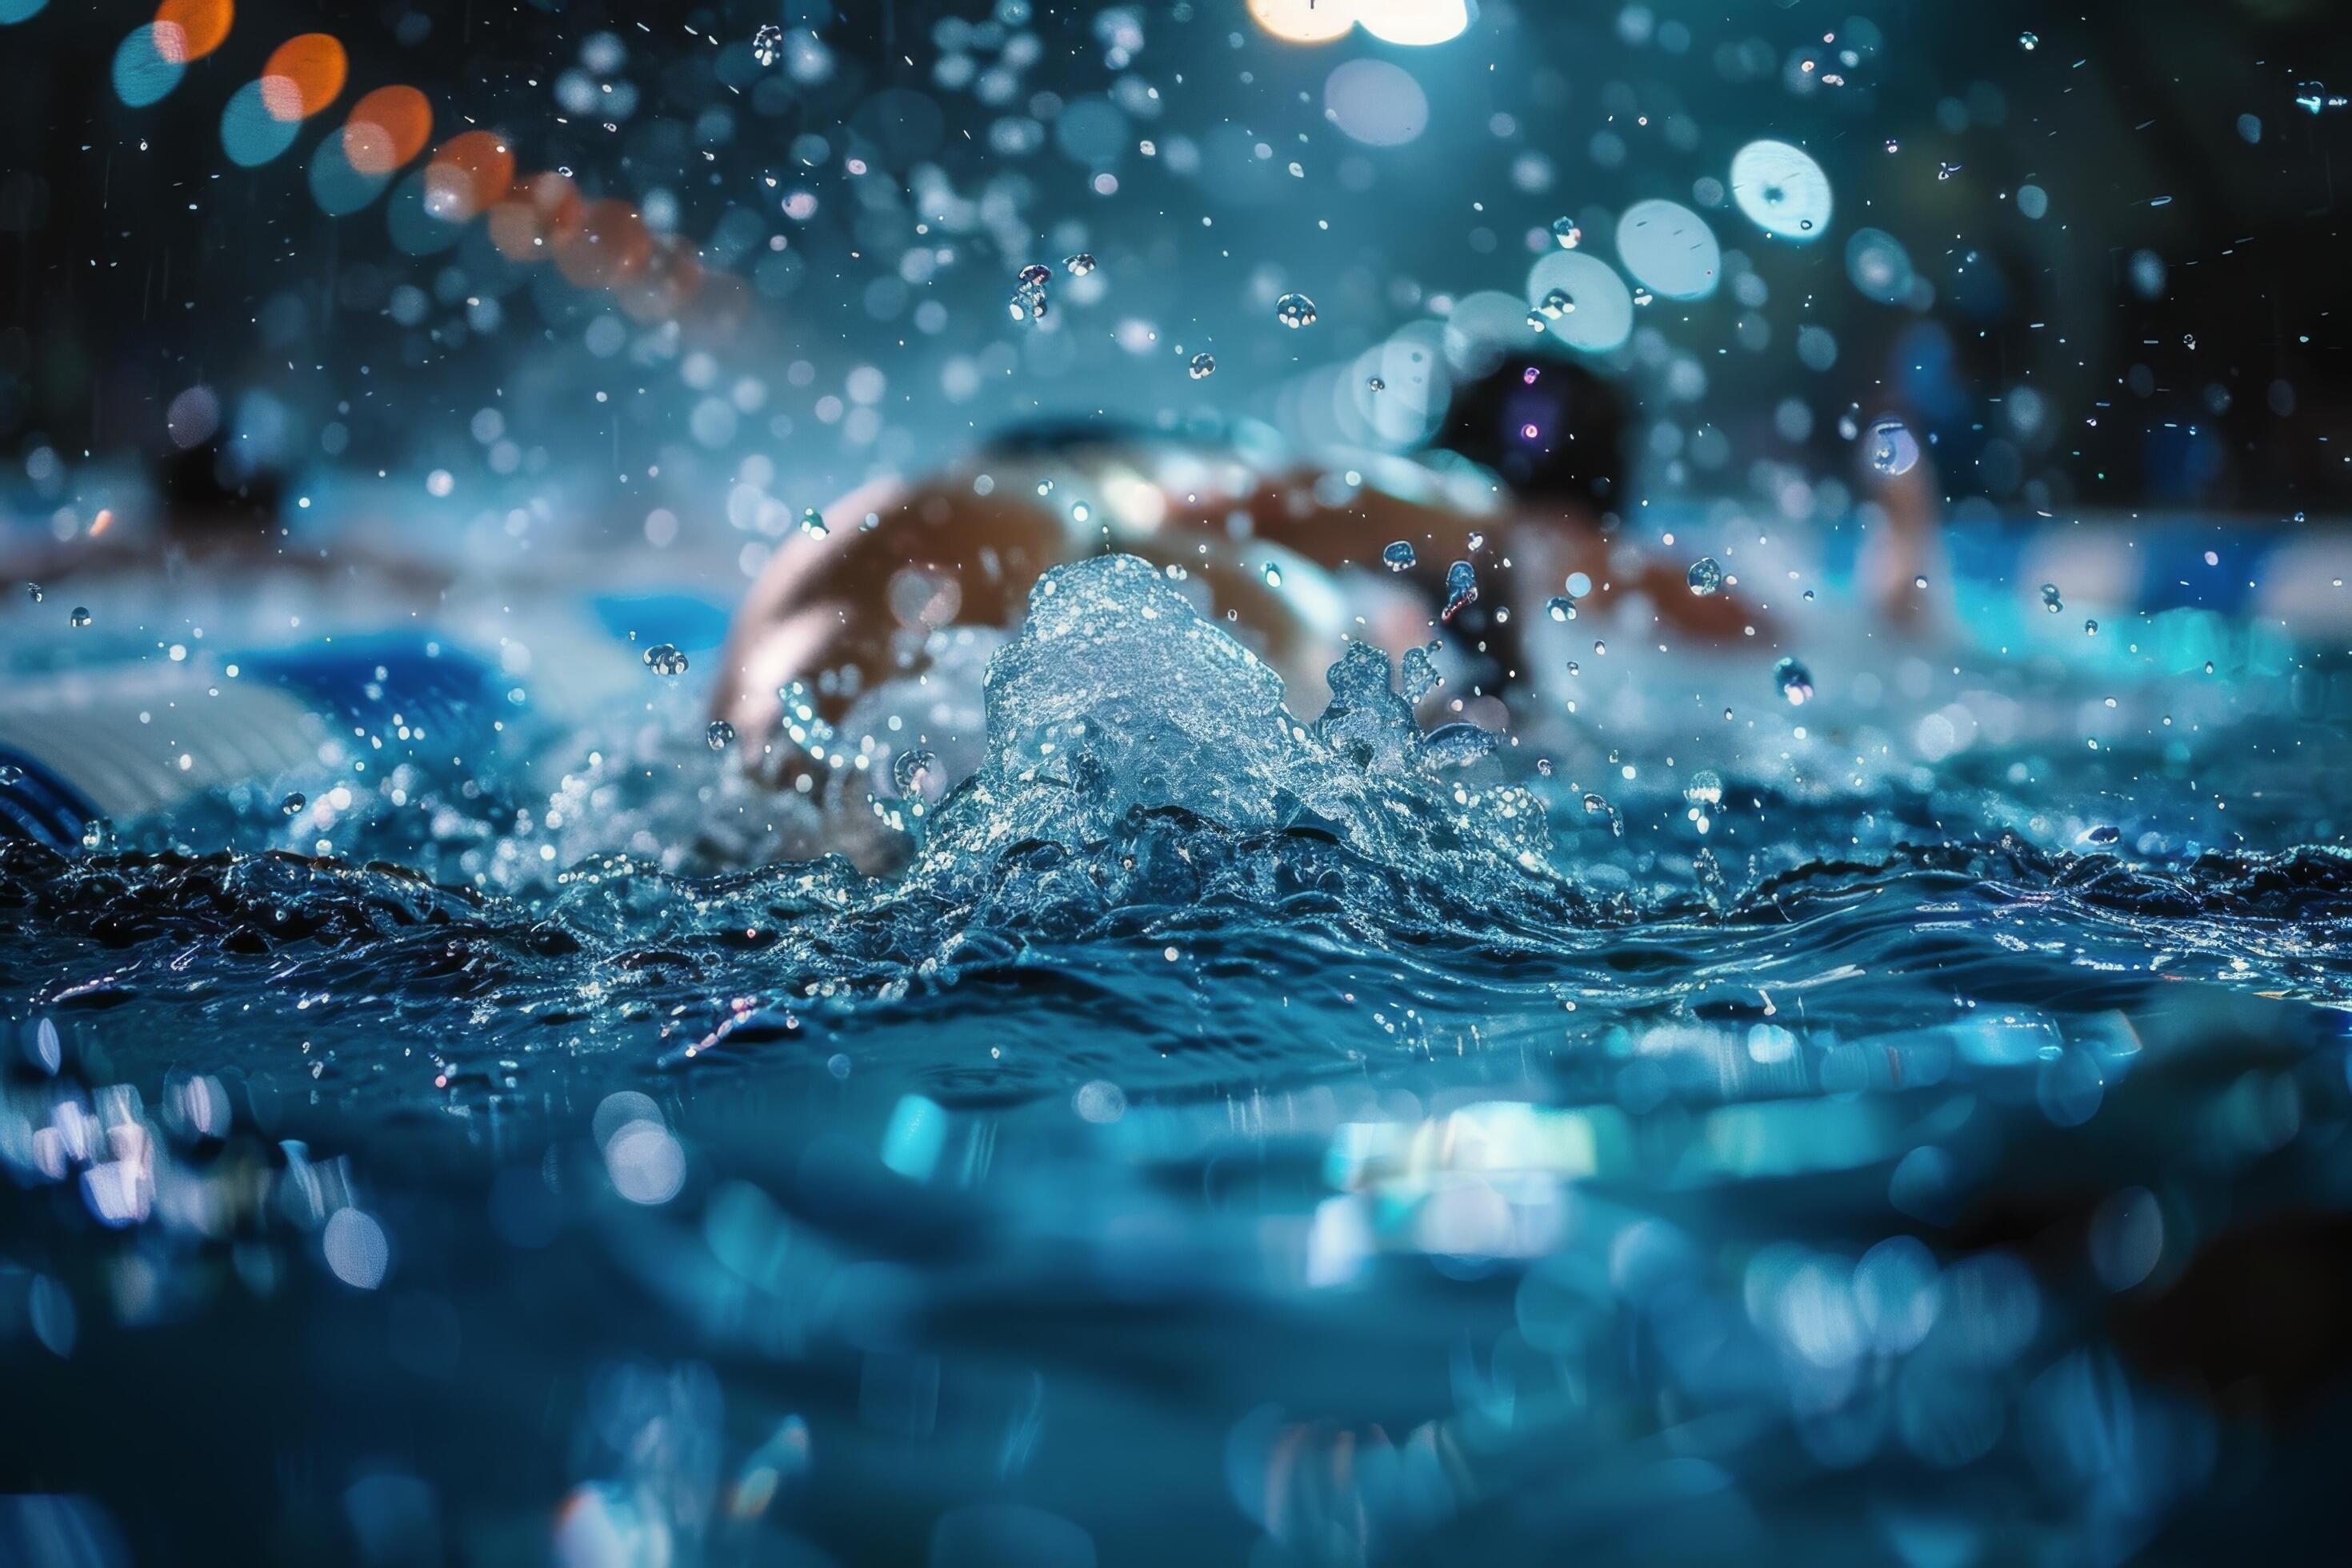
1909, 1127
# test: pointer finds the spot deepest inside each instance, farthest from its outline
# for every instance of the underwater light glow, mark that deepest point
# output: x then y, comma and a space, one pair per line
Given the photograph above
1782, 190
1669, 248
1304, 21
1413, 21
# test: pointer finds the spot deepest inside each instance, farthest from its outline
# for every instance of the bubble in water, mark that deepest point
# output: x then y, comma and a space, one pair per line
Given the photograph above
813, 522
663, 658
718, 734
1893, 449
1400, 556
1294, 310
1204, 366
1034, 275
1377, 384
1562, 607
1460, 589
768, 44
1557, 304
80, 616
2050, 599
1273, 575
1566, 232
911, 769
1706, 575
1079, 265
1795, 681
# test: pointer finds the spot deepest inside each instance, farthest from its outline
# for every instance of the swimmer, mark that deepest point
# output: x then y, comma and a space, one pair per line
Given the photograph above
1291, 558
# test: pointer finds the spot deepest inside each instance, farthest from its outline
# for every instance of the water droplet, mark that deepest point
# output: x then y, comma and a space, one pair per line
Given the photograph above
1706, 575
98, 833
33, 591
1644, 297
1536, 320
1893, 145
1273, 575
718, 734
1028, 303
1893, 449
2050, 599
2028, 41
80, 616
293, 803
1595, 803
813, 522
1600, 648
2090, 628
1529, 433
1400, 556
2104, 833
1706, 788
1377, 384
1034, 275
1204, 366
1079, 265
663, 658
10, 774
1294, 310
1557, 304
1561, 606
1920, 581
1795, 681
1460, 589
1565, 231
768, 44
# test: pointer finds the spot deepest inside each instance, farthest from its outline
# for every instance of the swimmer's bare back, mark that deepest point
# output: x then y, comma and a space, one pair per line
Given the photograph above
900, 561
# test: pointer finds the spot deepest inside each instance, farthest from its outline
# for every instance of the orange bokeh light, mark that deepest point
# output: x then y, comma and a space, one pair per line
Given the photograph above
386, 129
468, 172
534, 216
611, 245
303, 76
188, 30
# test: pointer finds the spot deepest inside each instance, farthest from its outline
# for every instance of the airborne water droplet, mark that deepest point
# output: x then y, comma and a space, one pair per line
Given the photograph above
718, 734
1294, 310
813, 522
663, 658
1400, 556
1460, 589
1706, 575
1204, 366
80, 616
2050, 599
1565, 231
1795, 681
1079, 265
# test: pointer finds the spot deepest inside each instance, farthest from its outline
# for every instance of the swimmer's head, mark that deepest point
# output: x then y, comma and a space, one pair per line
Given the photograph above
1551, 429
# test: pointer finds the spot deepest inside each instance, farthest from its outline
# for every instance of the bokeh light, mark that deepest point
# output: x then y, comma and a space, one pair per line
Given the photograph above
1376, 102
304, 75
1782, 190
188, 30
251, 132
143, 75
12, 11
468, 173
1669, 248
386, 129
1415, 21
1304, 21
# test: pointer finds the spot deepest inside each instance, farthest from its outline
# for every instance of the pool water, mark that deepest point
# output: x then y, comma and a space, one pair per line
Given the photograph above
1907, 1126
